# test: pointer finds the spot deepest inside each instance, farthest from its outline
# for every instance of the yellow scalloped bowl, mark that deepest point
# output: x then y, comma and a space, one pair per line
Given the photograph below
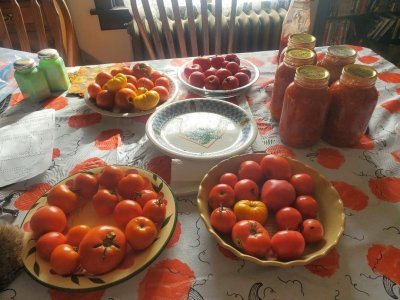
331, 211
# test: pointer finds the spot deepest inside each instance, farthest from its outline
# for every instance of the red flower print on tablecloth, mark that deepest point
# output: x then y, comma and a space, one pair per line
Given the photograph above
161, 165
392, 105
227, 253
385, 260
177, 62
17, 98
168, 279
273, 59
109, 139
325, 266
365, 143
398, 91
357, 48
368, 59
256, 61
386, 188
84, 120
330, 158
264, 81
249, 99
396, 155
389, 77
281, 150
267, 103
33, 192
63, 295
88, 164
352, 197
175, 236
263, 126
56, 153
55, 102
320, 56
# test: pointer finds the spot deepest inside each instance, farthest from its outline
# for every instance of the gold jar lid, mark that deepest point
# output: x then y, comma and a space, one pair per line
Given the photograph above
341, 51
310, 72
302, 38
360, 71
299, 56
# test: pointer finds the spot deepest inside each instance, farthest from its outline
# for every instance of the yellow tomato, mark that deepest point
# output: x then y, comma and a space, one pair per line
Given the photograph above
118, 82
146, 101
251, 210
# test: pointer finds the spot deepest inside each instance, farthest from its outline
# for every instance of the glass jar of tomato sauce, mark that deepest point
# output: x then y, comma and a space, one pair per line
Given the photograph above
354, 98
336, 57
284, 75
299, 40
305, 107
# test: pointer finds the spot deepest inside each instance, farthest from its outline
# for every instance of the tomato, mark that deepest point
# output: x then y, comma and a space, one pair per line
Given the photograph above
221, 194
251, 237
105, 99
48, 242
229, 179
251, 170
154, 75
251, 210
104, 202
246, 189
93, 89
303, 184
102, 78
46, 219
223, 219
76, 234
102, 249
125, 211
307, 206
163, 81
288, 218
129, 185
145, 83
277, 194
140, 70
123, 70
145, 195
110, 176
86, 185
64, 260
131, 87
131, 79
288, 244
276, 167
62, 197
124, 99
312, 231
230, 83
140, 233
155, 210
162, 91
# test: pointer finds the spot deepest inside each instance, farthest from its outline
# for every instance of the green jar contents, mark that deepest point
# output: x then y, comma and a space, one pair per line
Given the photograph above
52, 65
31, 81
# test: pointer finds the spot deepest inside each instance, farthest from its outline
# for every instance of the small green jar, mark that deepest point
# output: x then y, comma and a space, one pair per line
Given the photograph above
52, 65
31, 81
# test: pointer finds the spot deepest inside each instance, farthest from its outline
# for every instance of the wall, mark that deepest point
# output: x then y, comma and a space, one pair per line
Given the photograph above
104, 46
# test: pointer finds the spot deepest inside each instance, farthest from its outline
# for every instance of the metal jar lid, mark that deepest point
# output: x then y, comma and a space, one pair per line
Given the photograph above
48, 53
360, 72
299, 56
24, 63
310, 72
302, 38
341, 51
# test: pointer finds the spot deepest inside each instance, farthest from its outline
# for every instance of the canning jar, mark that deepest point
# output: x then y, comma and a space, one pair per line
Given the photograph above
299, 40
52, 65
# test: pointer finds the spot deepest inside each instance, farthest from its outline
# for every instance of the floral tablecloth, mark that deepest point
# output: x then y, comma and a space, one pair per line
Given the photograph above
364, 265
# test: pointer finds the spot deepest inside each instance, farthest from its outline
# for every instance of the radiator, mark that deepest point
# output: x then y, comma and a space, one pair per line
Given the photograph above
254, 31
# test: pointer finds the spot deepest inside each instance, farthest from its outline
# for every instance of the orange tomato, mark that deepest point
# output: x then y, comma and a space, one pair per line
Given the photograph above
123, 70
62, 197
131, 79
105, 99
162, 91
145, 195
104, 202
93, 89
251, 210
131, 87
223, 219
155, 210
102, 78
48, 242
48, 218
86, 185
64, 259
154, 75
129, 185
145, 82
163, 81
124, 99
125, 211
75, 235
140, 232
110, 176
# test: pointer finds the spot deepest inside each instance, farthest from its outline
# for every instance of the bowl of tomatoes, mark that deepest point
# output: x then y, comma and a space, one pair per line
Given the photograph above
98, 227
271, 210
218, 76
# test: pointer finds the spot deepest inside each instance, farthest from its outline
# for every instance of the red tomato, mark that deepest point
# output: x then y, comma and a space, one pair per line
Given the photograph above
64, 260
110, 176
62, 197
288, 244
48, 242
221, 194
276, 167
303, 184
288, 218
125, 211
86, 185
104, 202
140, 70
46, 219
145, 82
105, 99
76, 234
154, 75
251, 237
312, 231
277, 194
102, 249
163, 81
223, 219
102, 78
307, 206
140, 233
93, 89
155, 210
131, 79
129, 185
251, 170
162, 91
229, 179
145, 195
251, 210
246, 189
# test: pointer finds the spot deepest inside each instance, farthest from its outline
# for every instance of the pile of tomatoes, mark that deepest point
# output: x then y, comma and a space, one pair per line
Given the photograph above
242, 203
129, 197
129, 90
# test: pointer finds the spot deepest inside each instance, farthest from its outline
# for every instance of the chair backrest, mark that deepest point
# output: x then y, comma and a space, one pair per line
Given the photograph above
50, 22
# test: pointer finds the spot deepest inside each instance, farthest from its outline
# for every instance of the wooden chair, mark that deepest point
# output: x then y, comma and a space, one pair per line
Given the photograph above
38, 25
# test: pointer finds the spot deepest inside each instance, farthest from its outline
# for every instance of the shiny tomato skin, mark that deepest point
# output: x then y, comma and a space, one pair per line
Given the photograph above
75, 234
252, 238
229, 179
277, 194
93, 89
222, 219
64, 260
62, 197
104, 202
110, 176
154, 75
163, 81
145, 82
86, 185
250, 170
48, 242
102, 78
125, 211
251, 210
162, 91
155, 210
288, 244
303, 183
276, 167
246, 189
144, 196
288, 218
102, 249
48, 218
221, 194
307, 206
129, 185
312, 231
140, 233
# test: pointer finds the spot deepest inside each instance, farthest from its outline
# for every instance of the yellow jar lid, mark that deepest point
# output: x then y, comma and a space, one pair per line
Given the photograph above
311, 72
302, 38
360, 71
341, 51
300, 53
